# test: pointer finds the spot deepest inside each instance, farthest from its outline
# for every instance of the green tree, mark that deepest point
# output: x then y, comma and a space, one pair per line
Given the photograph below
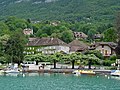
15, 46
91, 33
53, 59
67, 36
110, 35
118, 24
75, 57
96, 53
91, 58
4, 29
14, 23
3, 41
117, 50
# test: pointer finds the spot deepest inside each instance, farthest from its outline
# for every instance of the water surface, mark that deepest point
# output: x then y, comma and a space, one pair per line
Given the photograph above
58, 82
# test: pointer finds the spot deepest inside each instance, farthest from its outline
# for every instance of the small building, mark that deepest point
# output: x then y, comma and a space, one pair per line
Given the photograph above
55, 23
80, 35
106, 48
46, 46
28, 31
77, 46
98, 36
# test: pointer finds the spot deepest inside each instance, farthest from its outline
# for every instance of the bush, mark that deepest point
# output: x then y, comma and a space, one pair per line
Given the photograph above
96, 53
96, 62
113, 58
108, 62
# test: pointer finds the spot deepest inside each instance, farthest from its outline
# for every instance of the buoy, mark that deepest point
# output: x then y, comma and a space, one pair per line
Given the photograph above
105, 75
97, 76
23, 75
63, 73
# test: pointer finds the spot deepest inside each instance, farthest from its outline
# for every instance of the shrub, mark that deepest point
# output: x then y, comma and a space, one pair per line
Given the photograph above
108, 62
113, 58
96, 53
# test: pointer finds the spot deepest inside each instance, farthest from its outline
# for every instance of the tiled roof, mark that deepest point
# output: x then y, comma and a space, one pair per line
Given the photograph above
46, 42
77, 45
110, 44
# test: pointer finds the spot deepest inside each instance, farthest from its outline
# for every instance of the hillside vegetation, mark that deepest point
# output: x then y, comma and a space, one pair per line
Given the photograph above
68, 10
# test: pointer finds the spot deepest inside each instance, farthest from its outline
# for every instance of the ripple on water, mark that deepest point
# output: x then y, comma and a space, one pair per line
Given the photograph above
58, 82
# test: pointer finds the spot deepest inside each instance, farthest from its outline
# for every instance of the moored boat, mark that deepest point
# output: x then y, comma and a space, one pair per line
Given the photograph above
115, 73
12, 71
88, 72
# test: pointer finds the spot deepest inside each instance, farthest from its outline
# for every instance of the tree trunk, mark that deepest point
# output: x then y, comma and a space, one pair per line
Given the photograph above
89, 64
18, 63
73, 61
54, 64
37, 62
117, 50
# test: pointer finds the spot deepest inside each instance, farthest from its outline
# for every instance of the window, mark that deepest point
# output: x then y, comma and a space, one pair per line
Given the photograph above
102, 51
33, 48
106, 52
102, 46
37, 50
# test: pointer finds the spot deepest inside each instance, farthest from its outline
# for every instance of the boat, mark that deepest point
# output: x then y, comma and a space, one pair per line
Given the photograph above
88, 72
12, 71
115, 73
76, 72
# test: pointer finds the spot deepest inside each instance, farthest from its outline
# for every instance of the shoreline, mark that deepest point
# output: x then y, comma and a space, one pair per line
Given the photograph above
66, 71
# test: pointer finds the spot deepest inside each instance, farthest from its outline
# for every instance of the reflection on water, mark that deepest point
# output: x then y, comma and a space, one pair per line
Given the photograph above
115, 77
25, 74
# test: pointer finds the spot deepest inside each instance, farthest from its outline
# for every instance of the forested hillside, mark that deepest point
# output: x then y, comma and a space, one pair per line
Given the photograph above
56, 19
88, 16
69, 10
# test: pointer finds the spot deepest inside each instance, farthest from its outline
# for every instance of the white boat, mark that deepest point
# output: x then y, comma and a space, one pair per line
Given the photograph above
77, 72
115, 73
12, 71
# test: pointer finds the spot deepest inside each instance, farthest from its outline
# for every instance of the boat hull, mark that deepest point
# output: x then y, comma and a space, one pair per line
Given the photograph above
86, 72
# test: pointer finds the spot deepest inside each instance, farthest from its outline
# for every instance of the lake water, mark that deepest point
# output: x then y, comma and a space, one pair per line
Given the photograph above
58, 82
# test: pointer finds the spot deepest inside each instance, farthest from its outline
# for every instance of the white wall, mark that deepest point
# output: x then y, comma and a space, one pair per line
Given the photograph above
99, 48
54, 49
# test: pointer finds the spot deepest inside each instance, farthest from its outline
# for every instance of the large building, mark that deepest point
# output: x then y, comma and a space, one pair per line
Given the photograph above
46, 46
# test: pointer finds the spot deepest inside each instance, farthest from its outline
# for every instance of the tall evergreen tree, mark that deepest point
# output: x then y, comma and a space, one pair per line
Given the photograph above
118, 31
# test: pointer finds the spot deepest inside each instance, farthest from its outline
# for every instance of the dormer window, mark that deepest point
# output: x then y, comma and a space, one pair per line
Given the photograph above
102, 46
